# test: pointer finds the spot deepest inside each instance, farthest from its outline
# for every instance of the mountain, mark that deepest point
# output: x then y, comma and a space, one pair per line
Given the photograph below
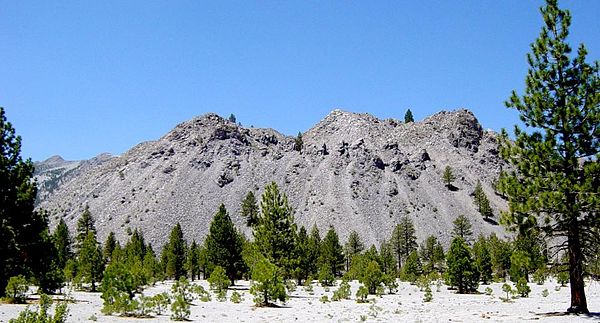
355, 172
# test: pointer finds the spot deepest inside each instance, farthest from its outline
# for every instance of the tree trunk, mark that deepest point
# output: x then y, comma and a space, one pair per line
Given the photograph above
578, 300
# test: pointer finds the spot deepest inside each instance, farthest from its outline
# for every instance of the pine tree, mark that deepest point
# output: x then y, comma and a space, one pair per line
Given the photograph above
276, 230
62, 242
462, 228
85, 224
90, 261
303, 253
21, 228
412, 268
500, 252
232, 118
556, 181
482, 202
483, 259
404, 239
408, 117
314, 250
298, 143
223, 246
352, 247
192, 264
448, 177
388, 261
109, 246
250, 209
461, 273
332, 255
175, 254
432, 254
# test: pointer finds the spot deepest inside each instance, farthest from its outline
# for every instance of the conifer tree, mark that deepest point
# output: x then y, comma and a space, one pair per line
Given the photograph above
90, 261
109, 246
483, 259
482, 202
555, 183
21, 228
462, 272
500, 251
432, 254
250, 209
62, 242
298, 143
352, 247
462, 228
223, 246
408, 116
303, 268
412, 268
193, 261
232, 118
404, 239
85, 224
276, 230
448, 177
175, 254
388, 261
332, 256
314, 250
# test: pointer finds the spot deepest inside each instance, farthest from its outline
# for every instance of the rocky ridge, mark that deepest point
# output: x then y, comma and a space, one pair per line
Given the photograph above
355, 172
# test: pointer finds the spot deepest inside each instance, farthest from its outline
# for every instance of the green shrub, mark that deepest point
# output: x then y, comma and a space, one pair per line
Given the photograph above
218, 280
267, 285
146, 305
428, 295
343, 292
522, 287
508, 290
236, 297
326, 277
545, 293
29, 316
290, 285
361, 294
202, 293
390, 282
183, 288
540, 276
563, 278
324, 299
16, 289
488, 291
180, 309
161, 302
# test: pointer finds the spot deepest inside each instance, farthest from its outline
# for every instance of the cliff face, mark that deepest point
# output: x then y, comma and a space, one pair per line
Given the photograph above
355, 172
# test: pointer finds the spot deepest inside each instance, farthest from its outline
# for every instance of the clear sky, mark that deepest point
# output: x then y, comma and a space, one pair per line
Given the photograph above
79, 78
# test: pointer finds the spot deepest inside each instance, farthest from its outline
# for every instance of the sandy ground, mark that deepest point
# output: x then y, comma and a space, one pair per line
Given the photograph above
405, 306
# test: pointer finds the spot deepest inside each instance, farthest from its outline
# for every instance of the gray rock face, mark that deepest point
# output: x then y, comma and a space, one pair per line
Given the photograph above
355, 172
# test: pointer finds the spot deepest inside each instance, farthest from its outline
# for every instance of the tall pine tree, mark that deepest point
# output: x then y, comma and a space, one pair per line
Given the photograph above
174, 254
223, 246
23, 231
275, 233
556, 182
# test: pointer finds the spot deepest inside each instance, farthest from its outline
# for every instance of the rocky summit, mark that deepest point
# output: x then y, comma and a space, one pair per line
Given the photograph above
355, 172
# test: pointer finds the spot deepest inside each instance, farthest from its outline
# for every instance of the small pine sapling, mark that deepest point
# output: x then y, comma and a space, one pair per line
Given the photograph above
324, 299
180, 309
236, 297
361, 294
488, 291
545, 292
161, 302
522, 288
428, 296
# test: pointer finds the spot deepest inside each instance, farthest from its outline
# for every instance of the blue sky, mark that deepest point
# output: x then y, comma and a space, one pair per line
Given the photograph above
84, 77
